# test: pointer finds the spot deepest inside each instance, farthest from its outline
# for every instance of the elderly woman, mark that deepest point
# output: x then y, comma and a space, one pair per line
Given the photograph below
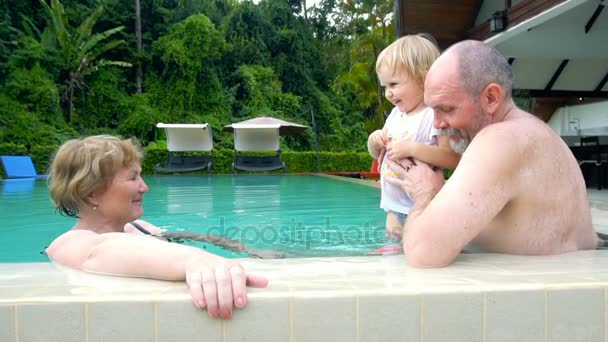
97, 180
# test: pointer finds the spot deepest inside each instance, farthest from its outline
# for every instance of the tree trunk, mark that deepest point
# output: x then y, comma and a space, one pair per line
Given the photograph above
139, 76
305, 10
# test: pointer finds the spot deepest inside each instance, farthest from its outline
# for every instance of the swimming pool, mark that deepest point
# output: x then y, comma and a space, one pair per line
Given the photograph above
299, 215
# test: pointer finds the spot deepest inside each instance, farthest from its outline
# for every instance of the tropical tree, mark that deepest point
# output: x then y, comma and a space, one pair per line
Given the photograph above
79, 49
189, 83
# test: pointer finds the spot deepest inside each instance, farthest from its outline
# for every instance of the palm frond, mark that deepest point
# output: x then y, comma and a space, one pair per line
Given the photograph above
98, 37
86, 28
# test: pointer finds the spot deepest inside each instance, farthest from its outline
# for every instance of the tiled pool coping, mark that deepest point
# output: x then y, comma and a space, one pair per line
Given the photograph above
481, 297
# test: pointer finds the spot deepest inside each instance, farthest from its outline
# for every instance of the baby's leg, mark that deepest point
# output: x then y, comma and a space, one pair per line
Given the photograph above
394, 226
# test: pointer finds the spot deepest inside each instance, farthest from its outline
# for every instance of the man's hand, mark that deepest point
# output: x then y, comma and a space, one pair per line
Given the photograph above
417, 180
218, 284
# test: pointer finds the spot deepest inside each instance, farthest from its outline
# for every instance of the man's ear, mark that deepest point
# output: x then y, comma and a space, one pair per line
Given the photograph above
491, 98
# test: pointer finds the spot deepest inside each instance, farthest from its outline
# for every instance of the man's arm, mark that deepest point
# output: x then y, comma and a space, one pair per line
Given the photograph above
444, 221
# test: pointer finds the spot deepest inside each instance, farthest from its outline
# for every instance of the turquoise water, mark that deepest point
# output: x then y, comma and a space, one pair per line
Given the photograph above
294, 214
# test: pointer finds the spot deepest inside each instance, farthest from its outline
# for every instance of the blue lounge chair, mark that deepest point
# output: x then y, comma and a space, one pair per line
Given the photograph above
19, 167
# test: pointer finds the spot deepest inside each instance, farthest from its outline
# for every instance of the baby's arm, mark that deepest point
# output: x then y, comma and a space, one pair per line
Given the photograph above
440, 155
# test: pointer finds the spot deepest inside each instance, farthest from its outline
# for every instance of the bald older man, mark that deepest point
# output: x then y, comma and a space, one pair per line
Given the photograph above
517, 189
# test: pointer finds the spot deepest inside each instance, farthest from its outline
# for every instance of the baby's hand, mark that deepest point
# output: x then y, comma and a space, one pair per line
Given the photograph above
404, 148
379, 139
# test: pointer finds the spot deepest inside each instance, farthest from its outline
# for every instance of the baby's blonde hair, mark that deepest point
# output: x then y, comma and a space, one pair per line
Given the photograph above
415, 53
83, 166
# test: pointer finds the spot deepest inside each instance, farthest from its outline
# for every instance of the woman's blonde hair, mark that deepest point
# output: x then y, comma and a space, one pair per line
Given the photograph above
83, 166
415, 53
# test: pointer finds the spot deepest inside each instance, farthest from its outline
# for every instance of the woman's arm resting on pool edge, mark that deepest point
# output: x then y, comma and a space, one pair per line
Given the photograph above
213, 281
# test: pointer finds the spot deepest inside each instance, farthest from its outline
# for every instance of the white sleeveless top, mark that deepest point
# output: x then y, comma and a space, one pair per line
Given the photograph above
417, 127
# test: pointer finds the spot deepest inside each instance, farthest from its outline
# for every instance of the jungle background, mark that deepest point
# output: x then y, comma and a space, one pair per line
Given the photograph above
75, 68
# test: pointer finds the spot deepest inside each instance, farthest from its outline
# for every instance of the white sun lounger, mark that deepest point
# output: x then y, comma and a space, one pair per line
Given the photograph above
187, 138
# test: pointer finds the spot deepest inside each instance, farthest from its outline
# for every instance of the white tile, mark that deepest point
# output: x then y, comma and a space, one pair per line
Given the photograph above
452, 317
515, 316
7, 323
121, 321
264, 319
576, 315
181, 321
324, 319
389, 317
63, 322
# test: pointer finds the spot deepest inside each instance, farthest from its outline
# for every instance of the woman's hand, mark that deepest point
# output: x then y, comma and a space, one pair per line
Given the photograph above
219, 284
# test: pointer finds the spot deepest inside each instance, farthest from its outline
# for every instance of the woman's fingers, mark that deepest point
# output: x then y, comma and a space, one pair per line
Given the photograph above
221, 286
239, 286
194, 281
210, 292
223, 280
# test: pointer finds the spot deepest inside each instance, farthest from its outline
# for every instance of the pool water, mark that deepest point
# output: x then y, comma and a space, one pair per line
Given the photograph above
297, 215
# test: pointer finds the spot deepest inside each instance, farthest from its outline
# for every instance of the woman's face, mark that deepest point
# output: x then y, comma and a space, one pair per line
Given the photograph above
122, 200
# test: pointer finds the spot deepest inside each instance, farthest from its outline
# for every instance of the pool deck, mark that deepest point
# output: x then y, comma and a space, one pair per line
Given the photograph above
480, 297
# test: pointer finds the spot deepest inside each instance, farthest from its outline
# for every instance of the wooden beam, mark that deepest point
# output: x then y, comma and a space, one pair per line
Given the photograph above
558, 72
602, 83
594, 16
516, 14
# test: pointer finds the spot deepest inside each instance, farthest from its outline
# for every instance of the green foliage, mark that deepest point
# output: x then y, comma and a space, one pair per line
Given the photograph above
247, 30
11, 149
37, 92
217, 61
258, 92
79, 49
188, 53
141, 120
7, 36
42, 156
25, 127
107, 102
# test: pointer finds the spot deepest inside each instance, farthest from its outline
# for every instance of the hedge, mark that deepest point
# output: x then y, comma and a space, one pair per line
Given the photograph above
222, 159
296, 162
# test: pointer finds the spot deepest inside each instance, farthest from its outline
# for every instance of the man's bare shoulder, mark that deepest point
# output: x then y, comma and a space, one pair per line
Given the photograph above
516, 134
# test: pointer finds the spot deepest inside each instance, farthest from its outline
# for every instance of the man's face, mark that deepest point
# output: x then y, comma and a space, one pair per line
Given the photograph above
457, 113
